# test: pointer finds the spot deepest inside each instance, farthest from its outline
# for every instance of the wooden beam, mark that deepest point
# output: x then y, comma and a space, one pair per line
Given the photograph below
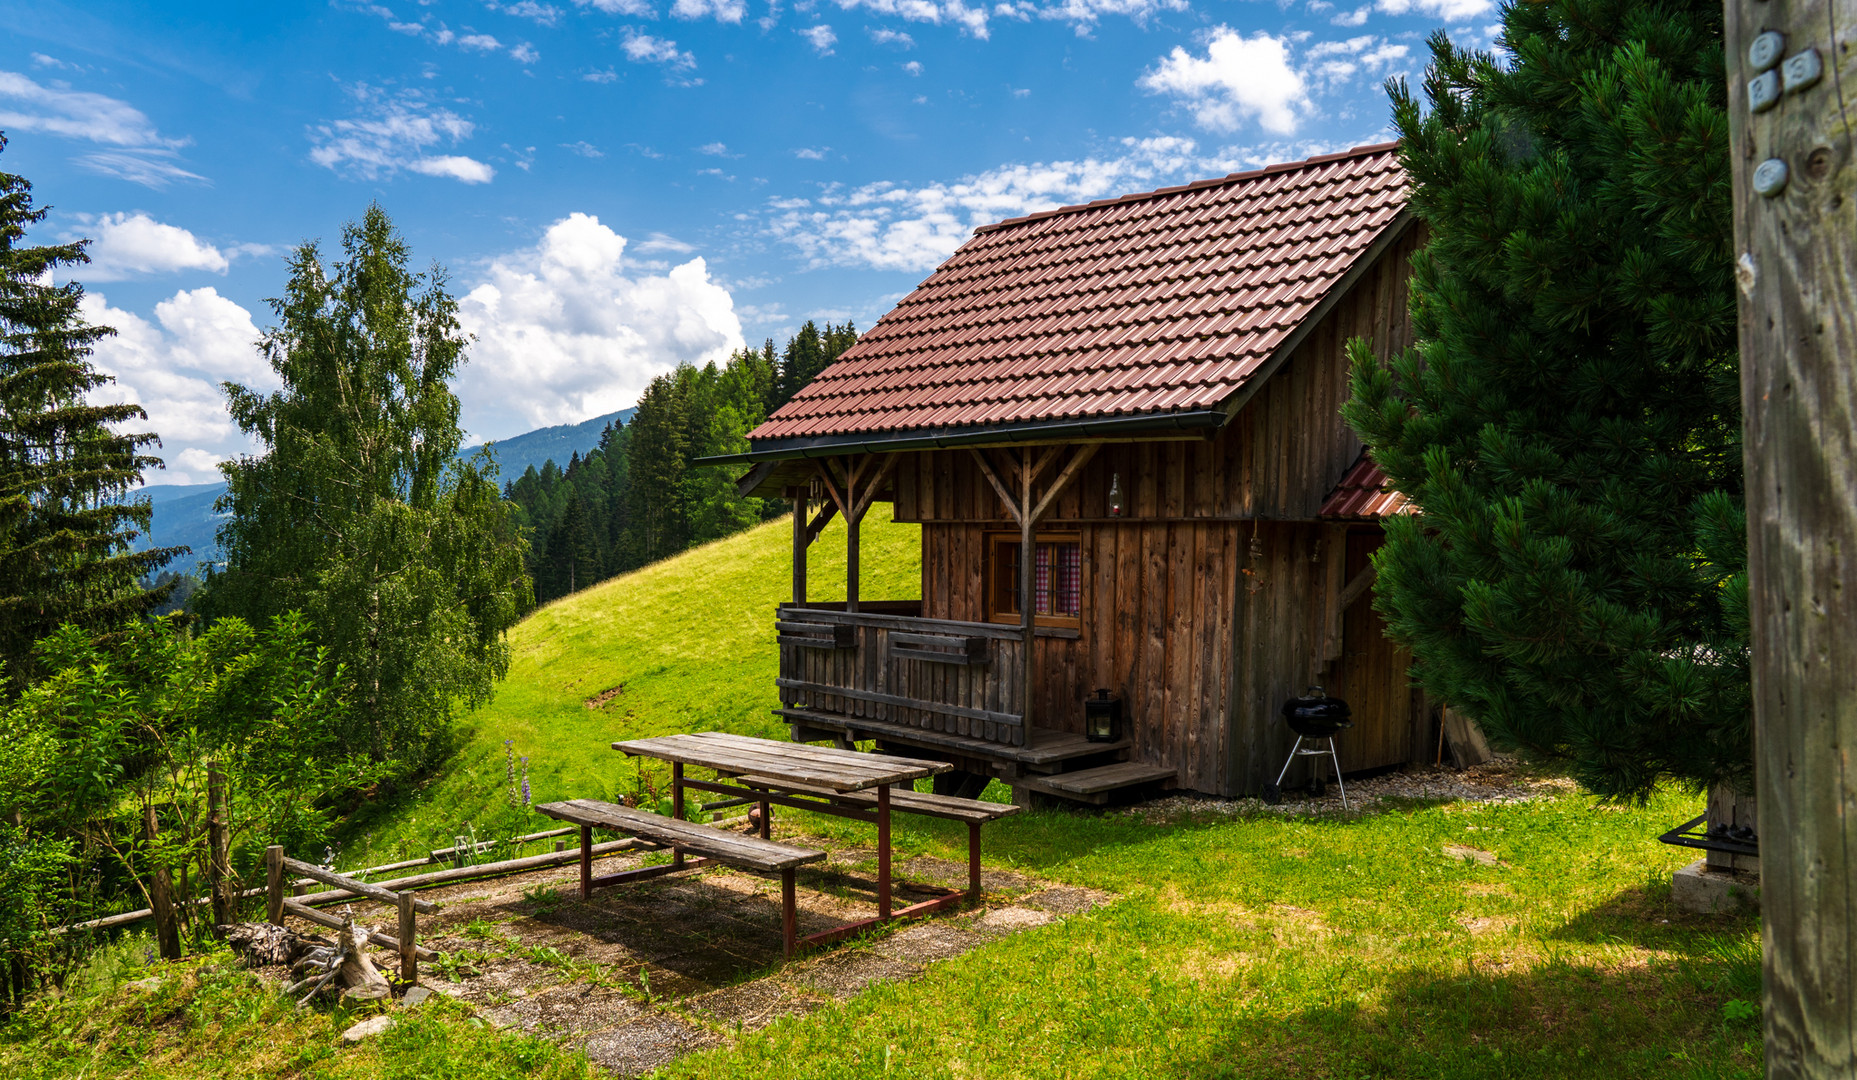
1077, 461
1335, 556
1360, 584
1796, 272
826, 514
999, 486
1028, 603
831, 489
873, 484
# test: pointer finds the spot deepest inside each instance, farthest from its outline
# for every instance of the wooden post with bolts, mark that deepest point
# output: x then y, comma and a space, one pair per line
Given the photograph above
1795, 218
409, 950
274, 885
218, 861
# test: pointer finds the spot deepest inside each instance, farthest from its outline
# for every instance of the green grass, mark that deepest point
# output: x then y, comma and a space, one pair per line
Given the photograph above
1260, 946
691, 642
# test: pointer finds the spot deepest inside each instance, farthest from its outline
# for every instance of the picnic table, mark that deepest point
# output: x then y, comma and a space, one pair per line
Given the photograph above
826, 780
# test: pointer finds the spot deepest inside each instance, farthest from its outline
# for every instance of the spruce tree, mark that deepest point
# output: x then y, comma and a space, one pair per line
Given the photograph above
359, 513
1569, 419
68, 522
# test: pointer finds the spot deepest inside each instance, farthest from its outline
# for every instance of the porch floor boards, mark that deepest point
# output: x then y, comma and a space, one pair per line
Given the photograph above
1048, 747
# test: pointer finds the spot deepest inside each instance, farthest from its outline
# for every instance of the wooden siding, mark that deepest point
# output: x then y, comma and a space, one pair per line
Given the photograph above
1202, 652
1155, 627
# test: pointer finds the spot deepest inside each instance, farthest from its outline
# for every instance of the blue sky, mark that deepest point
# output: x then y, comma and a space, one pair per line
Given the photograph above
617, 186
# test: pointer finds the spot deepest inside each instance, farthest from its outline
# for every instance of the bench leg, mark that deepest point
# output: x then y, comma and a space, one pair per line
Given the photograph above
973, 860
586, 862
767, 821
677, 808
883, 851
789, 922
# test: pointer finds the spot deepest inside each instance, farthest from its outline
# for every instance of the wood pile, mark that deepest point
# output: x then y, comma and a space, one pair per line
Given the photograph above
319, 966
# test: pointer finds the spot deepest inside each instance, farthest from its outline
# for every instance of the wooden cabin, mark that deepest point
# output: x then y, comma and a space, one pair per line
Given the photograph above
1127, 412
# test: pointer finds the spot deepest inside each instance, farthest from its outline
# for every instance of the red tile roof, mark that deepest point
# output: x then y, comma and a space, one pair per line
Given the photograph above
1364, 494
1159, 302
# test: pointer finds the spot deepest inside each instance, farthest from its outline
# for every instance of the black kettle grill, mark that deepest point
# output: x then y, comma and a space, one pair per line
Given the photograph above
1314, 716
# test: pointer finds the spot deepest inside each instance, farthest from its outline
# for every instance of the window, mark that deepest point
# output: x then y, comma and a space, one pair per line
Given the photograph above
1057, 579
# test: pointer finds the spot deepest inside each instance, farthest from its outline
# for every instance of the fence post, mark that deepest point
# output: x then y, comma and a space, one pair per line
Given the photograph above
274, 884
409, 949
161, 894
218, 863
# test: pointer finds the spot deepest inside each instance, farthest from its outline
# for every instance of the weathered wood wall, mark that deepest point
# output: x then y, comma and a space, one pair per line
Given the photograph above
1170, 620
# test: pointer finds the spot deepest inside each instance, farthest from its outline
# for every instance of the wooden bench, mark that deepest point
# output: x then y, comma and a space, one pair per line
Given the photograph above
714, 845
902, 800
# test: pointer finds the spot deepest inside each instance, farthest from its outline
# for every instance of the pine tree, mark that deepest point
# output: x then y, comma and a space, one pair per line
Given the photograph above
573, 558
67, 522
359, 513
1569, 420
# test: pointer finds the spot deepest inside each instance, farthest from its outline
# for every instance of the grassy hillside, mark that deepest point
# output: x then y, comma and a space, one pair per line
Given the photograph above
1438, 939
684, 645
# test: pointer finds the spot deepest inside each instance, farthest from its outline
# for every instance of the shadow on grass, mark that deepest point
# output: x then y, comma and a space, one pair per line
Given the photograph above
1549, 1022
1644, 916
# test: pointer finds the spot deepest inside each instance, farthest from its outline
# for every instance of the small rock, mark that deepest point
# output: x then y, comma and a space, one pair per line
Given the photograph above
367, 992
416, 997
144, 986
1460, 851
367, 1029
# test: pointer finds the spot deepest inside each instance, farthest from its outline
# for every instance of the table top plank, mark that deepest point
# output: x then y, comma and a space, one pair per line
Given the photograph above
830, 767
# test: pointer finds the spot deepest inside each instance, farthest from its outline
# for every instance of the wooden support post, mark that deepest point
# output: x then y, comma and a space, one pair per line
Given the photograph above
789, 923
883, 851
409, 946
1028, 602
677, 808
767, 821
1795, 248
973, 860
852, 529
586, 862
218, 863
274, 885
161, 893
801, 541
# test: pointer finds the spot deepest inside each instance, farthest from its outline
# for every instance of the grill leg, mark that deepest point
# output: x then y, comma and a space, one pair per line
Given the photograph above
1286, 761
1336, 758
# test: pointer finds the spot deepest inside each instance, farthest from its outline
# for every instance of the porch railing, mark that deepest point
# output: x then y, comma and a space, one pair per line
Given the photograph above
959, 678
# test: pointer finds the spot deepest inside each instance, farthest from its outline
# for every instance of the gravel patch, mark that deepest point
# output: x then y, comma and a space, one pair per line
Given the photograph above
1501, 781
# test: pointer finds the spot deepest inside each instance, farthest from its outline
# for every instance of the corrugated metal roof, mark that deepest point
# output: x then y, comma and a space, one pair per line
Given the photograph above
1160, 302
1364, 495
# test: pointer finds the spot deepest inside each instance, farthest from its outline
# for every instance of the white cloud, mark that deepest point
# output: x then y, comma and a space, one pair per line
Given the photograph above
1450, 10
129, 245
609, 75
638, 8
545, 14
885, 36
464, 169
1357, 17
524, 53
888, 226
1239, 79
808, 153
566, 330
645, 49
139, 152
583, 148
726, 11
394, 133
821, 38
715, 149
479, 43
658, 241
172, 366
914, 67
1082, 15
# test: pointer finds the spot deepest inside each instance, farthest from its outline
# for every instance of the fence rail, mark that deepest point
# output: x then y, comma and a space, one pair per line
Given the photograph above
959, 678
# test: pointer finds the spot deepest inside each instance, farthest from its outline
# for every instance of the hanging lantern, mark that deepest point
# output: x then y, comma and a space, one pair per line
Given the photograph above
1115, 494
1102, 718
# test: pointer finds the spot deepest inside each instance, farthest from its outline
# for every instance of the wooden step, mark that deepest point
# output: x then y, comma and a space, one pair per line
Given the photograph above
1095, 785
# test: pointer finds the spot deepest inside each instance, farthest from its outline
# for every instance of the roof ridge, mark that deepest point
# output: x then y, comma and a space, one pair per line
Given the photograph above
1229, 178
